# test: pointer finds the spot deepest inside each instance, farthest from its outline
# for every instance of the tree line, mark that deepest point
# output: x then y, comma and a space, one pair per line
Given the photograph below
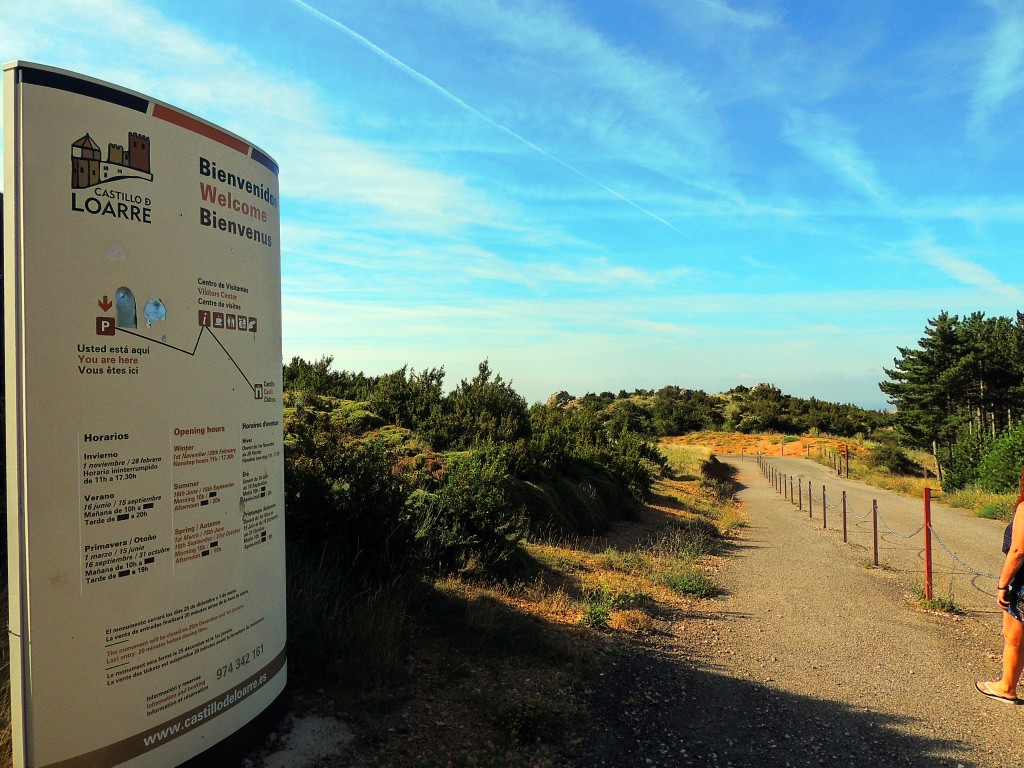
959, 393
411, 397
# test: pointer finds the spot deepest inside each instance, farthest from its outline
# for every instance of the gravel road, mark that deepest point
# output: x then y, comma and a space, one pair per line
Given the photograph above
812, 657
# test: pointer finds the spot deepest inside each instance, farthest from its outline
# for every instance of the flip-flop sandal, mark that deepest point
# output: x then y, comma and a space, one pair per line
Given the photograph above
988, 693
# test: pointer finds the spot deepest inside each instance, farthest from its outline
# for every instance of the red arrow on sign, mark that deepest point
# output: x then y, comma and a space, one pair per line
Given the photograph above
105, 304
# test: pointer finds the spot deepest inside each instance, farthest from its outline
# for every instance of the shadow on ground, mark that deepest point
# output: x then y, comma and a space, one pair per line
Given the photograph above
651, 710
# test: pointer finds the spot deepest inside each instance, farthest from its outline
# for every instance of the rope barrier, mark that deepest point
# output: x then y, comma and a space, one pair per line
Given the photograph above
769, 471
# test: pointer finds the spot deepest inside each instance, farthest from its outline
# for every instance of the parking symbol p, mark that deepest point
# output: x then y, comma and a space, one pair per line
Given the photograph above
105, 326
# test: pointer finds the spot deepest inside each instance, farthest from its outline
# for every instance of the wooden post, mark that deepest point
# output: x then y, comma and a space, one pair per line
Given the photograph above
844, 518
927, 543
874, 526
824, 508
847, 462
800, 484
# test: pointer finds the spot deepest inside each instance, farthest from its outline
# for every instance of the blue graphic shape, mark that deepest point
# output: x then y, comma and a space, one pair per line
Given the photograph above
126, 313
155, 312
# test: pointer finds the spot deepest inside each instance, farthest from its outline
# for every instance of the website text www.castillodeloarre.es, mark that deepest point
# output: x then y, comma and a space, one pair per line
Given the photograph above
210, 710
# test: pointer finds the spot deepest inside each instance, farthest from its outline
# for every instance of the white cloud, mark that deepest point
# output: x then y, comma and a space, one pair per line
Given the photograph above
967, 272
1002, 73
630, 105
832, 146
749, 20
285, 115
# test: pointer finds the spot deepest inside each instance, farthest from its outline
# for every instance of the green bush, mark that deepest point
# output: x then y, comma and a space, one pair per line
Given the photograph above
888, 455
482, 409
718, 477
472, 521
691, 582
341, 493
1000, 468
598, 603
964, 463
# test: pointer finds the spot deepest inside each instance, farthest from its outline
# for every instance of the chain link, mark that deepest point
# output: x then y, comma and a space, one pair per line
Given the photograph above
960, 562
900, 535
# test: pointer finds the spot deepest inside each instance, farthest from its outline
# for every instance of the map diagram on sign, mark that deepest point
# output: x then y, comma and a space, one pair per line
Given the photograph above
126, 320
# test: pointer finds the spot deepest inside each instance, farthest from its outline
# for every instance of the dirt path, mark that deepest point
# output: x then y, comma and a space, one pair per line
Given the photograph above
812, 658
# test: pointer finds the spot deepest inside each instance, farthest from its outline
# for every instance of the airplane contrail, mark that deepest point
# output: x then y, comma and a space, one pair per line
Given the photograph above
376, 49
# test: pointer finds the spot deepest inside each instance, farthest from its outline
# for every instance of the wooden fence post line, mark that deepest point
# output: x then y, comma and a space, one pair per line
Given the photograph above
844, 518
927, 543
874, 526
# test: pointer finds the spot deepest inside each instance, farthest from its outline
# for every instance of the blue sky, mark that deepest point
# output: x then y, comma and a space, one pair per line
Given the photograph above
600, 195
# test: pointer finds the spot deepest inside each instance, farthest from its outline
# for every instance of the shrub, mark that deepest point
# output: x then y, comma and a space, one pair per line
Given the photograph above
472, 520
888, 455
718, 477
691, 582
962, 468
1000, 468
407, 399
482, 409
598, 603
341, 493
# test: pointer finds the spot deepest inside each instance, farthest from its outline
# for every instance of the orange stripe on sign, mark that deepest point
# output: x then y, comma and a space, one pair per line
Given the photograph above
198, 126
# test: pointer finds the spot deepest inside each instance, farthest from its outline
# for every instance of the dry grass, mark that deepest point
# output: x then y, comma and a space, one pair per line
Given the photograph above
820, 449
737, 444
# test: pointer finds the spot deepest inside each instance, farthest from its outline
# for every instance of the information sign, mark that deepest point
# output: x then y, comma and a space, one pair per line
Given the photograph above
144, 426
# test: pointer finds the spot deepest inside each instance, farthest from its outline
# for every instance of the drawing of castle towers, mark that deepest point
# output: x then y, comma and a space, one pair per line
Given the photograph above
89, 169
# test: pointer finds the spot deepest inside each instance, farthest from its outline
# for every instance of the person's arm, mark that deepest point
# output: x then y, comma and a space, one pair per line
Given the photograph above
1014, 558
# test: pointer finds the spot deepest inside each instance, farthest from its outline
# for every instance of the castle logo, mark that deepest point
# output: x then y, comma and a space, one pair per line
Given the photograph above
88, 169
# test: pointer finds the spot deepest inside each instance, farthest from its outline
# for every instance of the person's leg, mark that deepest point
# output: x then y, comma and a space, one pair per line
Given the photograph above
1013, 653
1013, 659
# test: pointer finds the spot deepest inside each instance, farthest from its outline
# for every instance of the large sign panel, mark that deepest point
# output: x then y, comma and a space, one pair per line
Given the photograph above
144, 435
